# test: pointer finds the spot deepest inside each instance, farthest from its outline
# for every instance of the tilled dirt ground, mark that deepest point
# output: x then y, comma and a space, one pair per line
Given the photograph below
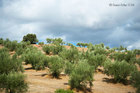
41, 82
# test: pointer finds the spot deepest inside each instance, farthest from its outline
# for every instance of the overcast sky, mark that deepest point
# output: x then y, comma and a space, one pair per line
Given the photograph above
73, 20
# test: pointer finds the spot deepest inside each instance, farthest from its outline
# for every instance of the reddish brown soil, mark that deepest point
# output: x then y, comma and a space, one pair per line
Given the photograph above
137, 56
1, 46
79, 48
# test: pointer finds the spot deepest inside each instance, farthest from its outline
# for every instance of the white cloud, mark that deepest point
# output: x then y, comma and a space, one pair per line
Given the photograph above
53, 18
67, 12
135, 45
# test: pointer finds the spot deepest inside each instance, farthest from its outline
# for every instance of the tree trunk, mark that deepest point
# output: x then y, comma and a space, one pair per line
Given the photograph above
11, 91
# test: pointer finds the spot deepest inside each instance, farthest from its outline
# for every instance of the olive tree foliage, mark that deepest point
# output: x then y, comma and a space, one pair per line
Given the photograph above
41, 43
69, 44
71, 55
20, 47
63, 91
30, 38
13, 82
82, 44
138, 61
34, 57
107, 47
98, 49
55, 46
11, 78
52, 49
8, 64
128, 56
121, 48
15, 46
1, 40
69, 67
55, 41
135, 78
11, 45
120, 70
137, 51
82, 75
55, 64
96, 60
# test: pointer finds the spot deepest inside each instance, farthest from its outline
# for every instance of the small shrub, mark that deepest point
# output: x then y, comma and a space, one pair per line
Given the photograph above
82, 75
63, 91
56, 65
135, 78
119, 70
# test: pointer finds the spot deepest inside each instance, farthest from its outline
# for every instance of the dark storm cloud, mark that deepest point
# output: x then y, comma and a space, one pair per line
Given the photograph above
74, 21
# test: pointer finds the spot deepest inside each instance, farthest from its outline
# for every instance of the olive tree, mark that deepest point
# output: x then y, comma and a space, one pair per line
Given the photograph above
71, 55
96, 60
135, 78
56, 65
55, 41
30, 37
34, 57
52, 49
11, 78
119, 70
82, 75
13, 82
1, 40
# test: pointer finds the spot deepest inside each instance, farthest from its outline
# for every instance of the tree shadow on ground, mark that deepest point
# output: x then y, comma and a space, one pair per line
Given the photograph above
111, 80
42, 75
29, 68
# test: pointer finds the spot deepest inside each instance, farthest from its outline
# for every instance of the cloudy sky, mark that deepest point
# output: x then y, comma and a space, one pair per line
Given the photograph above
93, 21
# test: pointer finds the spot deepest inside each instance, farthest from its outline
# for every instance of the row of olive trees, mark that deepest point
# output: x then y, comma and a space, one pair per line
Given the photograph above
82, 44
97, 56
56, 41
59, 63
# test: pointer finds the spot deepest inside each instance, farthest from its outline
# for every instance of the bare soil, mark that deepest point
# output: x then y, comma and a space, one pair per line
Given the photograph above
1, 46
42, 82
137, 56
